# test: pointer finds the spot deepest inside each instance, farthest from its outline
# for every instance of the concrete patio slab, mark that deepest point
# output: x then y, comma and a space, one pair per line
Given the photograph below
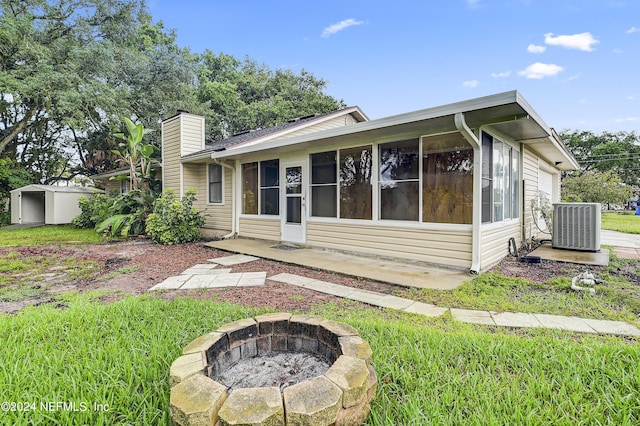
394, 302
512, 319
426, 309
200, 281
368, 297
200, 271
613, 327
234, 259
330, 288
385, 270
172, 283
473, 317
564, 323
292, 279
250, 282
227, 280
259, 275
546, 252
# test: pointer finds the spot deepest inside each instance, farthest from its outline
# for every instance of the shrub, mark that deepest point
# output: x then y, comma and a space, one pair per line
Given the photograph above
126, 214
95, 208
174, 221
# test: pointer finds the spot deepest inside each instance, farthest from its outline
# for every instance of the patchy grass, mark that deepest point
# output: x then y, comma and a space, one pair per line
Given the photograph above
120, 271
48, 235
431, 371
626, 222
617, 296
26, 277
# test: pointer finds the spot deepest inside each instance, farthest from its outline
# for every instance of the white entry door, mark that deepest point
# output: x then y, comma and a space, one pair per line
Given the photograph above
293, 201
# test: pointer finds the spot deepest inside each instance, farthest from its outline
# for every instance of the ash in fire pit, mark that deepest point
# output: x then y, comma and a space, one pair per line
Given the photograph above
279, 369
276, 369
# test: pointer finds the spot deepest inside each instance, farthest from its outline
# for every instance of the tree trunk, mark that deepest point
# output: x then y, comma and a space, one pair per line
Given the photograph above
17, 128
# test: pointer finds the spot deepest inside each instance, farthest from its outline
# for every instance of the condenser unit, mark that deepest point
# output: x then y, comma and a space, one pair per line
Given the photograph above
576, 226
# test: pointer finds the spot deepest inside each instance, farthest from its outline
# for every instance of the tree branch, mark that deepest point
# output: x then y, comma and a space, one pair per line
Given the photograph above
18, 127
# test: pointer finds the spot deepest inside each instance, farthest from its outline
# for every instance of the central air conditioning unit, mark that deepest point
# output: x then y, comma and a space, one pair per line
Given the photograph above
576, 226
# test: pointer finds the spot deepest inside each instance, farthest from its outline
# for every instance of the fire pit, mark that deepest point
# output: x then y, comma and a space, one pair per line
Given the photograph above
274, 369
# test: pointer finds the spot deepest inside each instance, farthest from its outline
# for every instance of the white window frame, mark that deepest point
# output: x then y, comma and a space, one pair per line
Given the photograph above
513, 149
222, 194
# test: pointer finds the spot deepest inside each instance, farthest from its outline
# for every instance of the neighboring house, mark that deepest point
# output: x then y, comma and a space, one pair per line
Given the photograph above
448, 185
115, 186
47, 204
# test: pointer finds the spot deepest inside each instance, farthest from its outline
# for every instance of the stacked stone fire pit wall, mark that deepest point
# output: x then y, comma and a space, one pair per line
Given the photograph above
340, 397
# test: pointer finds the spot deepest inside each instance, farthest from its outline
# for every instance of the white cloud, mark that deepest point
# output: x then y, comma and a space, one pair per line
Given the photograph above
471, 83
633, 30
582, 41
539, 70
503, 74
332, 29
532, 48
627, 119
617, 50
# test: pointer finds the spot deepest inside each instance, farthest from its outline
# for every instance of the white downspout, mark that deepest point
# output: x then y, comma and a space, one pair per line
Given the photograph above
476, 221
233, 198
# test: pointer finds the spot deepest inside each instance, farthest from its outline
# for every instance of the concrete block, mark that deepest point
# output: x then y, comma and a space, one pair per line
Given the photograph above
196, 401
186, 366
472, 316
314, 402
352, 376
253, 406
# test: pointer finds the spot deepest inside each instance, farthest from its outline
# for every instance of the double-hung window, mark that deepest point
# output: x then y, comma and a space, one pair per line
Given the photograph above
215, 183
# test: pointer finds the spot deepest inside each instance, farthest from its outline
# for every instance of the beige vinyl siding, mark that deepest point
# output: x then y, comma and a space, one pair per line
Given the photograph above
171, 155
111, 185
265, 229
495, 242
218, 216
451, 248
530, 176
192, 134
341, 121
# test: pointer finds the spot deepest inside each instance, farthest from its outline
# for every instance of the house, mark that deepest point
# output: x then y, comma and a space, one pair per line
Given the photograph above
47, 204
449, 185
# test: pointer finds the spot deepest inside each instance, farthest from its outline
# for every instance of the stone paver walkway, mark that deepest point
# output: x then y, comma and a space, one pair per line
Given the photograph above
502, 319
206, 275
209, 276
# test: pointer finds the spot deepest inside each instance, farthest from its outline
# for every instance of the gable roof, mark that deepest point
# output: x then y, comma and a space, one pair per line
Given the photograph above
508, 113
252, 137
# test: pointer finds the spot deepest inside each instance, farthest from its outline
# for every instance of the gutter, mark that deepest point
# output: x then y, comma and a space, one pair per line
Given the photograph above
476, 221
233, 197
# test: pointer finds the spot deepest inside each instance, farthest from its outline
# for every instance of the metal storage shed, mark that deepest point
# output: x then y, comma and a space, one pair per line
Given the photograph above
47, 204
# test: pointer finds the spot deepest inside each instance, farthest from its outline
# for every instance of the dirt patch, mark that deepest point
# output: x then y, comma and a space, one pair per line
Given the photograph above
135, 266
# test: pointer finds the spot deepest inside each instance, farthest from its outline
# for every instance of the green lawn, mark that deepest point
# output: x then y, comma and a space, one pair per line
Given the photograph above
621, 221
78, 351
431, 371
48, 235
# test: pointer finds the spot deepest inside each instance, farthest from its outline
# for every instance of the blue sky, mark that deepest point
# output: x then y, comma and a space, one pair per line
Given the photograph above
576, 62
